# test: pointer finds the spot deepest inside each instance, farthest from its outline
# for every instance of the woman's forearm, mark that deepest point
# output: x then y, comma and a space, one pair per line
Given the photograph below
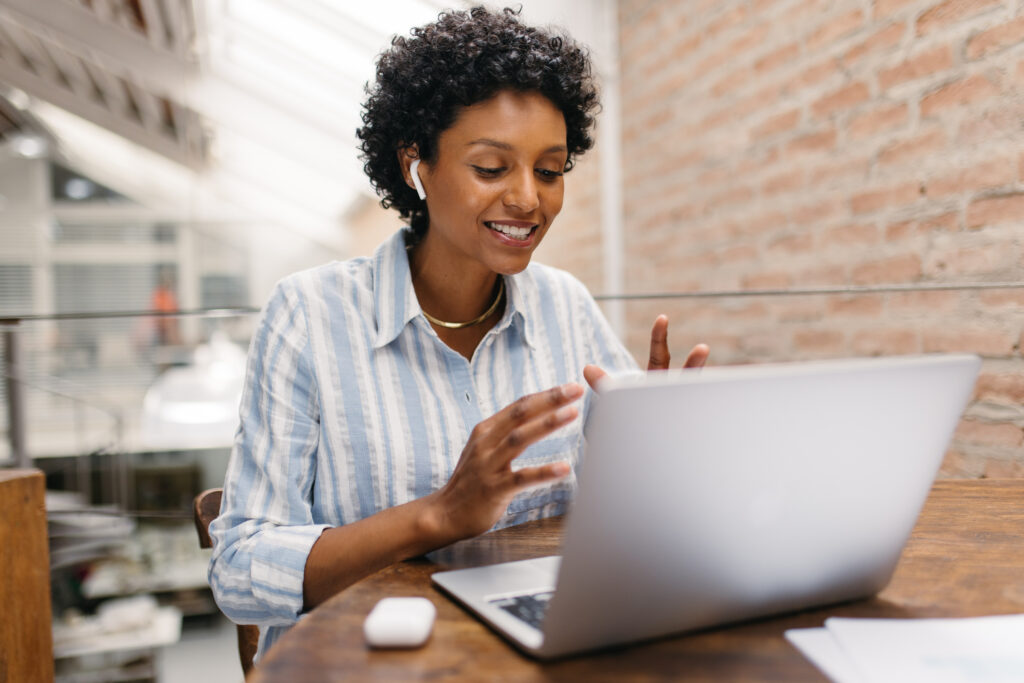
344, 555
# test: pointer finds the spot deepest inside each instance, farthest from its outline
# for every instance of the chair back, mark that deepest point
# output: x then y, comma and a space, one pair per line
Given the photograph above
205, 509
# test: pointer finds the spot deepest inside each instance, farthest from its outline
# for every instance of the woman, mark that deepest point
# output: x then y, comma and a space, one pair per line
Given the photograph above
399, 403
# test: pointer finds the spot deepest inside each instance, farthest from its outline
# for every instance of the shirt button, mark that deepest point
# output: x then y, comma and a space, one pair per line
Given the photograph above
469, 399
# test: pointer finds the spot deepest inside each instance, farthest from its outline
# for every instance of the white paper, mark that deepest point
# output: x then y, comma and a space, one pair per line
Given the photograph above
988, 649
819, 646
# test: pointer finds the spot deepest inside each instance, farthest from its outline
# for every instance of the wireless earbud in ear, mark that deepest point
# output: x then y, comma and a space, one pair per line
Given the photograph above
414, 172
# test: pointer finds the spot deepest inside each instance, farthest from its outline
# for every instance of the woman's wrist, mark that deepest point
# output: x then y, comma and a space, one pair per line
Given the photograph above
433, 522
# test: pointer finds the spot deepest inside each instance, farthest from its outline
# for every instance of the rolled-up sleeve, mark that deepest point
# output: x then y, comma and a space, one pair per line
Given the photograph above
265, 530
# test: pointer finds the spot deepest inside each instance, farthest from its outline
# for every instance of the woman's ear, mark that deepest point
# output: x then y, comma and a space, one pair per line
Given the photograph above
409, 160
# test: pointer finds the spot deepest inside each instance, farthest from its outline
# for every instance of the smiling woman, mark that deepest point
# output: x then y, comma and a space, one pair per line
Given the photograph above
399, 403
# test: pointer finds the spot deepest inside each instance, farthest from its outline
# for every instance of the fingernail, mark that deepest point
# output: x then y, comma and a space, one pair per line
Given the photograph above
561, 468
572, 390
565, 413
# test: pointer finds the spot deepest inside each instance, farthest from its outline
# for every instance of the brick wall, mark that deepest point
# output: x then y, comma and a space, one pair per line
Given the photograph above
804, 143
574, 240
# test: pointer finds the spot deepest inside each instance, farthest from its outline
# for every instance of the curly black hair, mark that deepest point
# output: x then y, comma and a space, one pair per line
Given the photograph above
463, 58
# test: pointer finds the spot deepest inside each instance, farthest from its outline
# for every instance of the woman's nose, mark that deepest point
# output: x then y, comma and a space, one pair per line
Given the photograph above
522, 193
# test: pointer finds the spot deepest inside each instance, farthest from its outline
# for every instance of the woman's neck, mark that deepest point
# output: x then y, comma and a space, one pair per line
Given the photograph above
454, 292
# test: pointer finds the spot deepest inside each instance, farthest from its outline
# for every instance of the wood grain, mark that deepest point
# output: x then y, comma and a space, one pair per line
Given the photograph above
26, 635
964, 558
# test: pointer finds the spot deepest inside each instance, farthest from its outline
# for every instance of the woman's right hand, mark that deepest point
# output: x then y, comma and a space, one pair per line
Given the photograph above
484, 483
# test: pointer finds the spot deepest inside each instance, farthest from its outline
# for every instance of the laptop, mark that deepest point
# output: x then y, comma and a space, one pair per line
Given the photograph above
721, 495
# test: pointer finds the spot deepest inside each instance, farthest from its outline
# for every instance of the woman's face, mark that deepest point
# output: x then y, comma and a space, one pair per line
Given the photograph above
496, 184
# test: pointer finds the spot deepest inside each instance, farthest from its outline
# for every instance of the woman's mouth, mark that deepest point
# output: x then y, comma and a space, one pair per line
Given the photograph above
518, 231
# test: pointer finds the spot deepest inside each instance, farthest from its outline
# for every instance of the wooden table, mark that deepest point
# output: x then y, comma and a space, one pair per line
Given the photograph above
965, 558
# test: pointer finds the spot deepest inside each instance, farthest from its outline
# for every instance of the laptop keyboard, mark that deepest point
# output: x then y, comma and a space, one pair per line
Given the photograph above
529, 608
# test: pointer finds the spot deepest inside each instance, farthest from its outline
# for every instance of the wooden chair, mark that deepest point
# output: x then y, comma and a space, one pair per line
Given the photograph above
205, 509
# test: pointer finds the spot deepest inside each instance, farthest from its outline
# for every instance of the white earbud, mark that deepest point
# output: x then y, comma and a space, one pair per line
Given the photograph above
413, 171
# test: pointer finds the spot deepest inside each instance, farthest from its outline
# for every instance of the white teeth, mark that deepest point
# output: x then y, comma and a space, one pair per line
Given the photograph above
510, 230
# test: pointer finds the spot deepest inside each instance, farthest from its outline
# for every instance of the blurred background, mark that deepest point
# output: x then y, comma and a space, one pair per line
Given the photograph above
786, 179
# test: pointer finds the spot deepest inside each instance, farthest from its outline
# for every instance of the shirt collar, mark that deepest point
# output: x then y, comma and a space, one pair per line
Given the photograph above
395, 299
397, 305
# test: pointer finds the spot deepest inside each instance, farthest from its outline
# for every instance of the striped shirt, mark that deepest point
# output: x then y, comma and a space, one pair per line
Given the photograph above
353, 404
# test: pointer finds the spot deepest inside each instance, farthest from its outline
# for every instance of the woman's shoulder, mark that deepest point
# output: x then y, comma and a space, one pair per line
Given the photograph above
326, 280
552, 278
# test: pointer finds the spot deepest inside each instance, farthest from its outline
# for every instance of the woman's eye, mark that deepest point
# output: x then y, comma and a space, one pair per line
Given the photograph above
488, 172
547, 174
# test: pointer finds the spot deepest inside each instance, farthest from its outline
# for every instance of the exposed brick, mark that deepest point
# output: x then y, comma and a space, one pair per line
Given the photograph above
776, 58
971, 259
951, 12
912, 302
996, 38
732, 197
873, 200
737, 254
844, 98
850, 168
743, 310
965, 91
779, 123
989, 433
792, 244
684, 48
912, 148
819, 341
861, 305
886, 8
987, 175
992, 123
885, 342
881, 40
895, 232
1003, 469
822, 274
816, 74
761, 151
802, 311
767, 281
920, 65
1012, 299
1000, 387
879, 119
732, 82
757, 102
817, 212
786, 181
837, 27
817, 141
731, 16
891, 270
994, 210
853, 234
946, 222
988, 342
749, 39
960, 465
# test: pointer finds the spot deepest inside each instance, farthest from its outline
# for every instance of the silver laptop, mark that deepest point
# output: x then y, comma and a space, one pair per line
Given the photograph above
730, 493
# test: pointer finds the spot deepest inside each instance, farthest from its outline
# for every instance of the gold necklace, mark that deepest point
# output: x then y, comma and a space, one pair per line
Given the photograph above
475, 321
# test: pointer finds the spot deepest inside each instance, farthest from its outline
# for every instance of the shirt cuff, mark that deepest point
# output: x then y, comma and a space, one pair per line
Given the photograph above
279, 566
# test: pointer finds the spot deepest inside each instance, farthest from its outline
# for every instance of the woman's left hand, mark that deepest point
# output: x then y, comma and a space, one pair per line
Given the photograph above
659, 358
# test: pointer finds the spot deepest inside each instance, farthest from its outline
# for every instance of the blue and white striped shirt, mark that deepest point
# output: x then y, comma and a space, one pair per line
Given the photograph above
352, 404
